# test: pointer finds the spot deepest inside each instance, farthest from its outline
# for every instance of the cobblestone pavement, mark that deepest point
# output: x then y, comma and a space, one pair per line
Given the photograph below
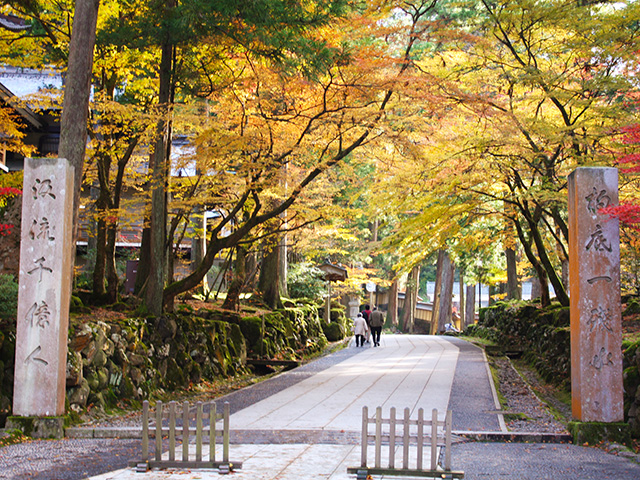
67, 459
535, 461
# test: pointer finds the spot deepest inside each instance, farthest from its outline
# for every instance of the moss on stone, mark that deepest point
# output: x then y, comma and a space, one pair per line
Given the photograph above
631, 378
334, 332
127, 389
633, 307
592, 433
251, 329
24, 424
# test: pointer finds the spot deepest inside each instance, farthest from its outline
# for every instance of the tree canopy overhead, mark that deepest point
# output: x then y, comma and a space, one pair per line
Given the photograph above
419, 125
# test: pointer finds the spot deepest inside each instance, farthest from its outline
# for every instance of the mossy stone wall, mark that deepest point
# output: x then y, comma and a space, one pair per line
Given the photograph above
631, 378
544, 337
541, 333
132, 359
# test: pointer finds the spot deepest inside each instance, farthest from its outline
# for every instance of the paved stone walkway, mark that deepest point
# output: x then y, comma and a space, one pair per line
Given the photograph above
307, 427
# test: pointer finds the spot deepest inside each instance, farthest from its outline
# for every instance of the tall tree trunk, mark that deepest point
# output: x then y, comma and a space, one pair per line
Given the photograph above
113, 282
446, 292
470, 306
410, 297
268, 282
513, 283
535, 287
283, 266
541, 273
102, 206
415, 274
550, 272
393, 303
99, 268
159, 182
232, 302
436, 292
144, 260
373, 227
199, 225
77, 89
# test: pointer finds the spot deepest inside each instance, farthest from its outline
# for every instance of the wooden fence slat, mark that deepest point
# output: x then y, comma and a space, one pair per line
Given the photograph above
434, 439
213, 418
420, 434
392, 437
365, 436
172, 431
158, 431
145, 431
199, 432
405, 439
447, 440
378, 446
225, 441
185, 431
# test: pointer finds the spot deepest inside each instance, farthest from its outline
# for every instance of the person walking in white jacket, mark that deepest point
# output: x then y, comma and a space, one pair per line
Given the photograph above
360, 328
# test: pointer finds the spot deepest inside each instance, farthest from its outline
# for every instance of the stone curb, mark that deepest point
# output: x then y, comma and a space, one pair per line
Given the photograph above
515, 437
319, 436
103, 432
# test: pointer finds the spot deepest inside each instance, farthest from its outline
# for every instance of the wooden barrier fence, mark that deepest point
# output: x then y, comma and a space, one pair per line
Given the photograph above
194, 427
403, 433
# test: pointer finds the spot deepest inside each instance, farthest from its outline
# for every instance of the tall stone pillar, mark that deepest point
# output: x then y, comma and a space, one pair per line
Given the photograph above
44, 294
594, 280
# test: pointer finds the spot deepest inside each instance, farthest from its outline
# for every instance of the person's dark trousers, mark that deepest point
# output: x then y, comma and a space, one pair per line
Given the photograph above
359, 340
375, 333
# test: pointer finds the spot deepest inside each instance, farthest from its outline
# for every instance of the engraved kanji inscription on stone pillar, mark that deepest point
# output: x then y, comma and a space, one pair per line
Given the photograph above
594, 277
43, 299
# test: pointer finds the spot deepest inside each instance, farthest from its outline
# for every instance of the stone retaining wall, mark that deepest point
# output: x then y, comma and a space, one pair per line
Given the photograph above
543, 335
110, 361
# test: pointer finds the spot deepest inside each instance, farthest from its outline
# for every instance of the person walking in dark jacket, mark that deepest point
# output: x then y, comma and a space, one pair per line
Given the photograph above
376, 321
366, 313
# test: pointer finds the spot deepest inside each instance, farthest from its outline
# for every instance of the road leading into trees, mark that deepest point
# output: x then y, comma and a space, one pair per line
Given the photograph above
405, 371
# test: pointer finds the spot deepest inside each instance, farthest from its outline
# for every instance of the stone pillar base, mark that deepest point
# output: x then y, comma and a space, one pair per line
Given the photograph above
596, 432
38, 427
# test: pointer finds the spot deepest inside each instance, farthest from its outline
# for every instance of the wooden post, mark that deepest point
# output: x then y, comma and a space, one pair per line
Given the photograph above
434, 439
225, 438
447, 441
213, 416
405, 439
172, 431
199, 432
420, 438
392, 437
145, 431
365, 436
159, 407
185, 431
378, 436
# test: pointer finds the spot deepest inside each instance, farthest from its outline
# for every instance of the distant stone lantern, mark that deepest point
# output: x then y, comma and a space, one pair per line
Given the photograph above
332, 273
